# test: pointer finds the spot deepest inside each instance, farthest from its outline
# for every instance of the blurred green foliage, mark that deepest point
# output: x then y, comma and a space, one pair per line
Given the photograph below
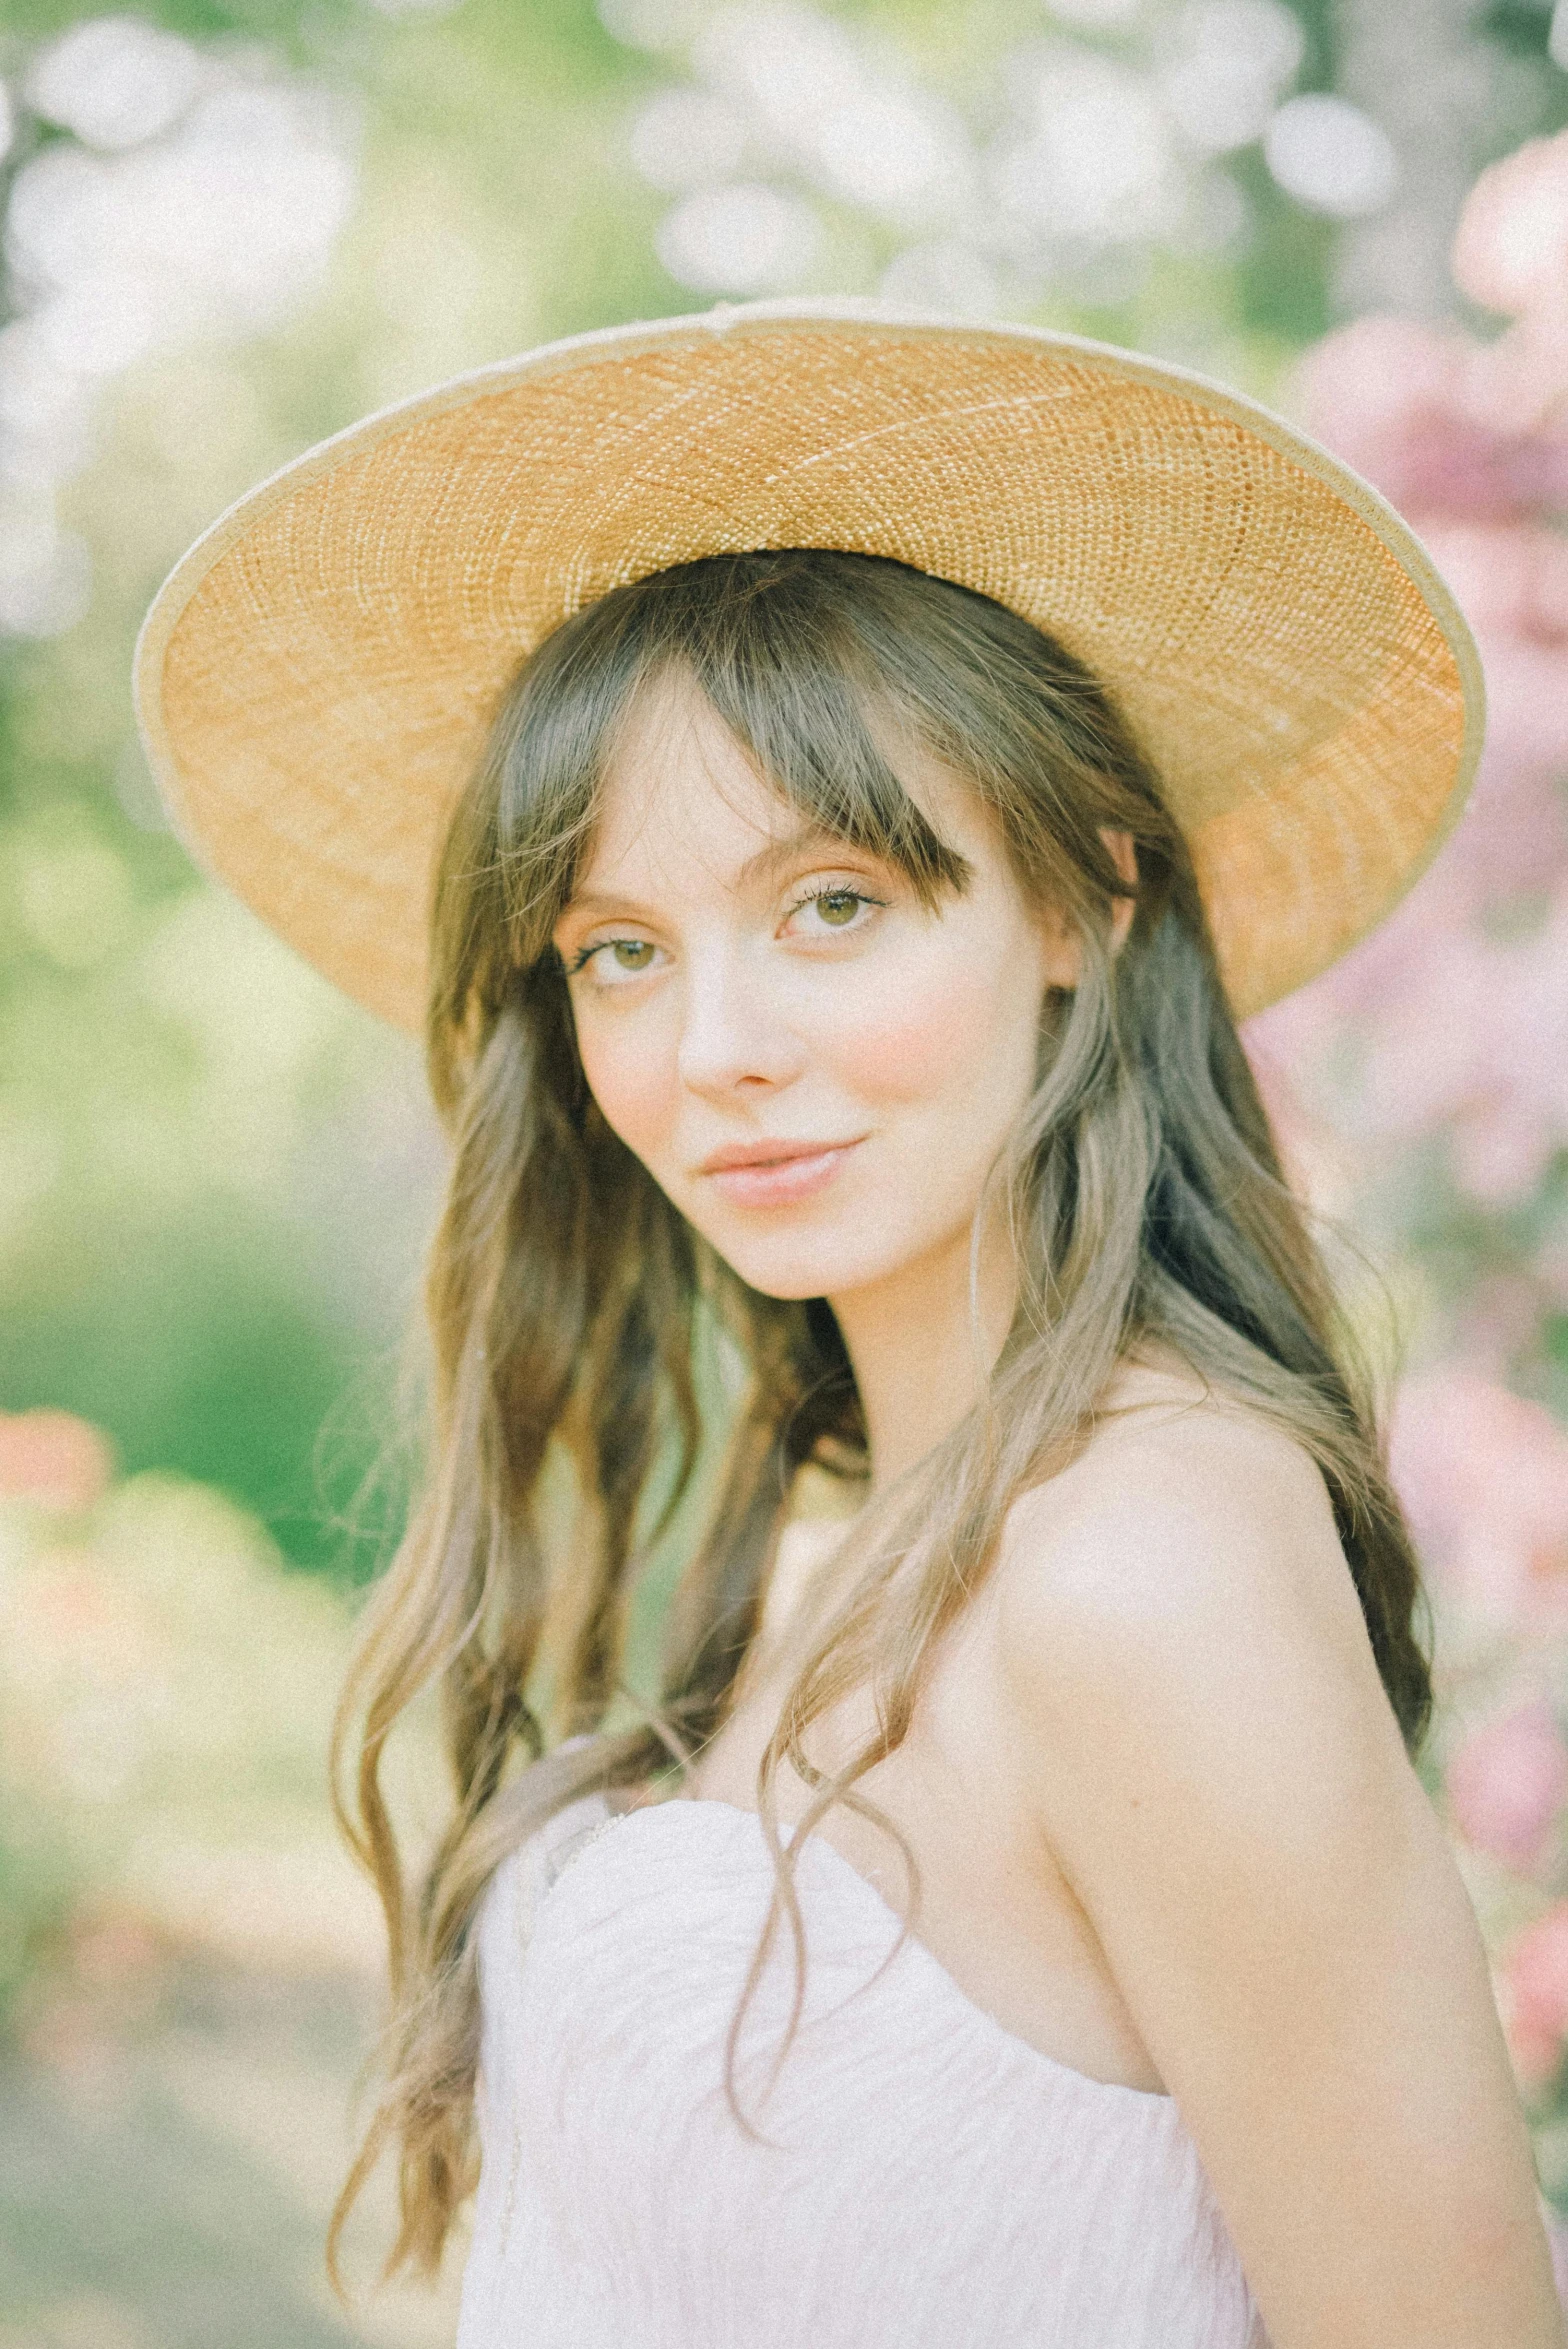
164, 1686
198, 1250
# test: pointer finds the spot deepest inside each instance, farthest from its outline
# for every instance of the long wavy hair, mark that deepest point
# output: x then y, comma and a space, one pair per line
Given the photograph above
568, 1302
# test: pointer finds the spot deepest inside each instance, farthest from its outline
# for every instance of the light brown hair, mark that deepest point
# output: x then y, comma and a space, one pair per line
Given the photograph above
566, 1298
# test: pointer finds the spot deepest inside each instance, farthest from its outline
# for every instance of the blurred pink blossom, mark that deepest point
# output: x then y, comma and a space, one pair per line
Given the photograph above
1511, 247
1480, 1045
54, 1457
1534, 1983
1507, 1783
1435, 419
1460, 1022
1483, 1475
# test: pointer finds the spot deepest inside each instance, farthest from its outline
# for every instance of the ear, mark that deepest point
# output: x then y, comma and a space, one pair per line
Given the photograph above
1063, 946
1124, 855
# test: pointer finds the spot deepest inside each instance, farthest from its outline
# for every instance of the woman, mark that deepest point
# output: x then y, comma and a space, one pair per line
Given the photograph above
1013, 1916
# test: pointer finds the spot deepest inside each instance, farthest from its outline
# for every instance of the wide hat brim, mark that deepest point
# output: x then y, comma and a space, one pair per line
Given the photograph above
315, 679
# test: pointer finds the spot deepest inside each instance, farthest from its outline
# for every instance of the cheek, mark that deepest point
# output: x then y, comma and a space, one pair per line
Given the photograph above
632, 1078
953, 1031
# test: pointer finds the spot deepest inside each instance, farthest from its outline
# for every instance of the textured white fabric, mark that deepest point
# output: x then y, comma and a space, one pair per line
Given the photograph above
929, 2181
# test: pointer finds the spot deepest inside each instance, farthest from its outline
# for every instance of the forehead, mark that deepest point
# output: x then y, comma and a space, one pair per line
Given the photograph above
681, 796
677, 779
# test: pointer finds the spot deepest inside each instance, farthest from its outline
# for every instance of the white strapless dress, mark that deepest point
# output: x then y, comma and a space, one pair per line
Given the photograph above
927, 2180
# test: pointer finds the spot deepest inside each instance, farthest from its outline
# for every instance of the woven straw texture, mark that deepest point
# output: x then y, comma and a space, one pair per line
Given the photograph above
314, 680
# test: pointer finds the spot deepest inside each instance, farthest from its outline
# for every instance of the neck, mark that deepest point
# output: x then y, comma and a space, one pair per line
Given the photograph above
922, 1349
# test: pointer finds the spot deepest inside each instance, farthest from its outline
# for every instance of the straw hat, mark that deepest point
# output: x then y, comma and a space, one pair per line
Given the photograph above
315, 679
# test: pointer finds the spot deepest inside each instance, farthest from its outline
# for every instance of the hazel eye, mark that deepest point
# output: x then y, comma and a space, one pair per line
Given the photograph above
839, 908
610, 962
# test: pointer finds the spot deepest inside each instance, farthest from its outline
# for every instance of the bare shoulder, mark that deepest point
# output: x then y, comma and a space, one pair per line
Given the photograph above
1190, 1705
1181, 1641
1184, 1503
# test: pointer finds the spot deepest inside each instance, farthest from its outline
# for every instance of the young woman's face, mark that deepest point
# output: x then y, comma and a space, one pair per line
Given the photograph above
818, 1071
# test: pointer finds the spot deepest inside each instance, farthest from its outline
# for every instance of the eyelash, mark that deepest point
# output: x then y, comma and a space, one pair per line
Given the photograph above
834, 889
585, 954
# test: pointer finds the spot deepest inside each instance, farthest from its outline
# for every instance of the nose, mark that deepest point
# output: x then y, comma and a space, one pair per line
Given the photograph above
734, 1038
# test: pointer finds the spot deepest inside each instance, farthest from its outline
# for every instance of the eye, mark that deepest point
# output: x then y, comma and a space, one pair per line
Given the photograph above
839, 908
611, 962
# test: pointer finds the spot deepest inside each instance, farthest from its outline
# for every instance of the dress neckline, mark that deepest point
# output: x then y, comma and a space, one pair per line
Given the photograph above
1158, 2100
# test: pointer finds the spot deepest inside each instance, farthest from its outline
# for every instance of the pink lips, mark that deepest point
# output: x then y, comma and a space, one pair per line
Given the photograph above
774, 1174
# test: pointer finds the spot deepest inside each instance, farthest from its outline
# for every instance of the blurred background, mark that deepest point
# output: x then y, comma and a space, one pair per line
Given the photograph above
232, 226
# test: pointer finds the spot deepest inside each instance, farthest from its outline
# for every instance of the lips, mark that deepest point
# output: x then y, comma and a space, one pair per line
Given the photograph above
774, 1153
774, 1174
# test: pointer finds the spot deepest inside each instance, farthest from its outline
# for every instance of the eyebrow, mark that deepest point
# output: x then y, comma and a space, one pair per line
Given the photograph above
767, 860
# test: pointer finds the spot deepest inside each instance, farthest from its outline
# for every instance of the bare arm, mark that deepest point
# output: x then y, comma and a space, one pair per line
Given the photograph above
1212, 1760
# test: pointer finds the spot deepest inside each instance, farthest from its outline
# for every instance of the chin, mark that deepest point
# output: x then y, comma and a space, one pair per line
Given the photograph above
803, 1267
786, 1287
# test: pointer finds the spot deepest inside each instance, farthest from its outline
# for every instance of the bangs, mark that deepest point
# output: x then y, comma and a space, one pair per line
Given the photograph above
810, 730
792, 685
